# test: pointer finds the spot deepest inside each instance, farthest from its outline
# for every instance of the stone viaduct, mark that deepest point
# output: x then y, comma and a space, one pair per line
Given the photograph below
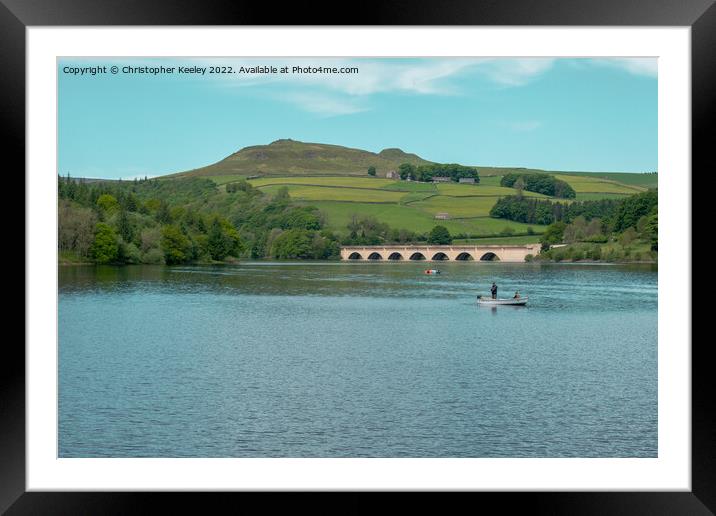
504, 253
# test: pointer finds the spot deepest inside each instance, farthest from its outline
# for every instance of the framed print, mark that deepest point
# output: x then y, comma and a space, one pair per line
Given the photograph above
423, 257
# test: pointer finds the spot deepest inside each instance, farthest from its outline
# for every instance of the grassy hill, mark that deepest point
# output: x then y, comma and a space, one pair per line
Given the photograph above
290, 157
334, 179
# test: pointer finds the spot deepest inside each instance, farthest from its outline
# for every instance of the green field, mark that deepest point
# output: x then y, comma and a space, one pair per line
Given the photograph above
222, 180
522, 239
321, 193
339, 214
589, 184
596, 196
413, 205
466, 190
642, 180
410, 198
410, 186
490, 180
456, 207
338, 181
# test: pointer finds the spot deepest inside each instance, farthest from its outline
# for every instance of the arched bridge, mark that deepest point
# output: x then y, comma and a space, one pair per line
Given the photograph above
504, 253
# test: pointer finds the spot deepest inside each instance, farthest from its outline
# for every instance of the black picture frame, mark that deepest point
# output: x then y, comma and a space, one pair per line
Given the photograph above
700, 15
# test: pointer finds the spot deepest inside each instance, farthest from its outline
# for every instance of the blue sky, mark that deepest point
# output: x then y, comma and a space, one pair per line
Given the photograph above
554, 114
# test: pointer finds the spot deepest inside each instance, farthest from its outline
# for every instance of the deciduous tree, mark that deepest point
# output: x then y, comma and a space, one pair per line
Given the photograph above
105, 246
439, 235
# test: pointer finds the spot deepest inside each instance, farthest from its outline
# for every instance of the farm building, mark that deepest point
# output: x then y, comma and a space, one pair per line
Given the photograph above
467, 180
392, 174
442, 216
441, 179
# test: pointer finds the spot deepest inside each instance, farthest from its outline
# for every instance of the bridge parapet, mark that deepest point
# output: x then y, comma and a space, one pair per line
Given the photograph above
505, 253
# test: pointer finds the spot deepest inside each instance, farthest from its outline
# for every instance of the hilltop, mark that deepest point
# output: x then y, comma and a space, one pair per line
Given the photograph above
288, 157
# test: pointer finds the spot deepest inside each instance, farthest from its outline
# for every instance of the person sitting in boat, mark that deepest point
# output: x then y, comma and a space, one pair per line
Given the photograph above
493, 290
517, 295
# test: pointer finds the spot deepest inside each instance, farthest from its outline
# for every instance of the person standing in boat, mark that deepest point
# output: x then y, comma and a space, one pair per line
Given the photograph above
493, 290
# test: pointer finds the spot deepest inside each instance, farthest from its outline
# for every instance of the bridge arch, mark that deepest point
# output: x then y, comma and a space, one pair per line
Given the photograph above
489, 257
375, 256
355, 256
440, 256
417, 256
464, 257
395, 256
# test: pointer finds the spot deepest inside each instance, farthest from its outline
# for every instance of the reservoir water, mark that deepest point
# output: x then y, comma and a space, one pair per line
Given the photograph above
317, 359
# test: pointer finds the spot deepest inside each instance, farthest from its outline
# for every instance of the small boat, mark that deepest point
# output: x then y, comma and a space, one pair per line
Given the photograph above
520, 301
432, 271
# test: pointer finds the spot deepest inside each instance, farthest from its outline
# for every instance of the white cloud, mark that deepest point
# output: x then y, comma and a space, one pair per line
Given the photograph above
430, 77
515, 72
344, 94
325, 105
424, 76
645, 66
341, 94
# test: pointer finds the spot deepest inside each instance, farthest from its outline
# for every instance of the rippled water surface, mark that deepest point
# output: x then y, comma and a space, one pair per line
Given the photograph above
357, 360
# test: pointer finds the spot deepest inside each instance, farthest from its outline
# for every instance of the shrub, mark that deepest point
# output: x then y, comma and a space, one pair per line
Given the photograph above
150, 238
153, 256
294, 243
553, 235
628, 236
612, 255
128, 252
598, 238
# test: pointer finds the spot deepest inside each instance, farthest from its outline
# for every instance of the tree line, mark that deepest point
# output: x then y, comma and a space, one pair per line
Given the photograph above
184, 220
426, 173
619, 214
539, 183
191, 220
